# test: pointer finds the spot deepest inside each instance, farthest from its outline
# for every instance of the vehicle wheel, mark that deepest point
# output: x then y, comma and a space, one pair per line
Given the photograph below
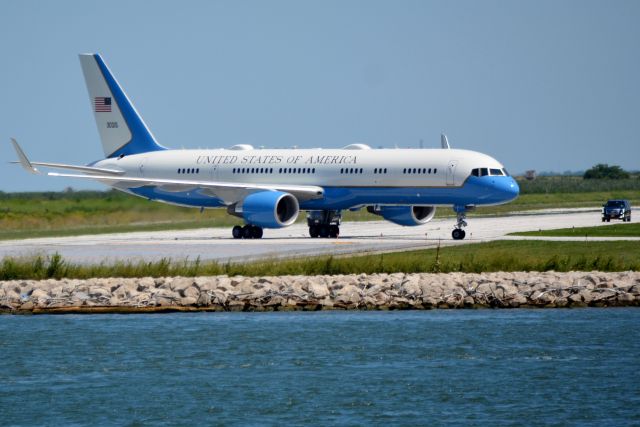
237, 232
256, 232
458, 234
313, 231
334, 231
608, 219
602, 219
324, 231
246, 232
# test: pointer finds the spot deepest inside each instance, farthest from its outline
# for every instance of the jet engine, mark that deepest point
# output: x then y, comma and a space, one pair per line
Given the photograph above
268, 209
405, 215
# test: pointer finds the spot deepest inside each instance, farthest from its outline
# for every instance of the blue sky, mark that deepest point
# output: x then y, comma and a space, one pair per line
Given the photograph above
546, 85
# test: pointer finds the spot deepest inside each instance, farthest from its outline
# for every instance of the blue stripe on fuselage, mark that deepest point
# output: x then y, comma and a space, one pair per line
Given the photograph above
141, 139
487, 190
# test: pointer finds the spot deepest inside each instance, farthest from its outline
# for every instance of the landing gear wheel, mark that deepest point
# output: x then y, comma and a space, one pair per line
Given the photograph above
458, 234
246, 232
237, 232
324, 231
334, 231
313, 231
256, 232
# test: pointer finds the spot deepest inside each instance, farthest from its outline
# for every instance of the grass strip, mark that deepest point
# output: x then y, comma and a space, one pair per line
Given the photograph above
614, 230
471, 258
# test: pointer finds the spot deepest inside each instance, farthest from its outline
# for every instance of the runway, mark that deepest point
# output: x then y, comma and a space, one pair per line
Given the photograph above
356, 237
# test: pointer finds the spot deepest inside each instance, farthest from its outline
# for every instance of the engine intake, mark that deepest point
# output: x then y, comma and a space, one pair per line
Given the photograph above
405, 215
269, 209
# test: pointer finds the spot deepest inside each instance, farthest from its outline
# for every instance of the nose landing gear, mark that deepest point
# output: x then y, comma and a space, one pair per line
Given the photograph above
461, 215
247, 232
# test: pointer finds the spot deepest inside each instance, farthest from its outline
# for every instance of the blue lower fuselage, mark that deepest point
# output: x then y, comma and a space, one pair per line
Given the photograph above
486, 190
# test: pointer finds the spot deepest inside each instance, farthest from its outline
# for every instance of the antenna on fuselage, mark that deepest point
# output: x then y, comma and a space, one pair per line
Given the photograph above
444, 141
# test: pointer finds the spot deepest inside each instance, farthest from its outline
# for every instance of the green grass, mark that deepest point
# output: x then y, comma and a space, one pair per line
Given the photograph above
614, 230
476, 258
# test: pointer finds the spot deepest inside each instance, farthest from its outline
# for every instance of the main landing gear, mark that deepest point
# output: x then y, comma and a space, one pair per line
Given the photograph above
461, 215
247, 232
324, 223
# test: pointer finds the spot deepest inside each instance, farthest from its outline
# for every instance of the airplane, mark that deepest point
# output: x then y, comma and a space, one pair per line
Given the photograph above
268, 188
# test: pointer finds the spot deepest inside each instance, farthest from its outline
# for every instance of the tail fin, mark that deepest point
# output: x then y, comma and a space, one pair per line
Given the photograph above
121, 128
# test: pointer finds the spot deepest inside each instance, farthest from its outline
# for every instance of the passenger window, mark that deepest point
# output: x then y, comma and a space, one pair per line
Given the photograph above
385, 170
404, 170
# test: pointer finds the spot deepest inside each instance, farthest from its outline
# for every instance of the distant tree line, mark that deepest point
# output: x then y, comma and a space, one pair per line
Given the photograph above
604, 171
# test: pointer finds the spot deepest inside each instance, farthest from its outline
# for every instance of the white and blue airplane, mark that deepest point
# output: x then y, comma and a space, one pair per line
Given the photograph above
268, 188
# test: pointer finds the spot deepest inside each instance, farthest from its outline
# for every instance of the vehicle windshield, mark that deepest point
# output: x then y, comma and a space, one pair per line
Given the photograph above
615, 204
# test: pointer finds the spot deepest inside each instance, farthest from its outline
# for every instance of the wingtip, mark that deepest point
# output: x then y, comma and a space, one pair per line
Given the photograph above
24, 161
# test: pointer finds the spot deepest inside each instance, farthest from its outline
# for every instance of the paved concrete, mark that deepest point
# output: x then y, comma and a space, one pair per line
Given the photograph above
356, 237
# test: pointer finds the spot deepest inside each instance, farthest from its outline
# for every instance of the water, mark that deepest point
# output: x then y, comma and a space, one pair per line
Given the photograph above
499, 367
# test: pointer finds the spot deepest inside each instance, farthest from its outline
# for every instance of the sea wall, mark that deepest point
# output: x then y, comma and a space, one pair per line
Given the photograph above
359, 292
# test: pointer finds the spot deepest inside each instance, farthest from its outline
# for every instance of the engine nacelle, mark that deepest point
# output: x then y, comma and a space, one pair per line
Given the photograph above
270, 209
405, 215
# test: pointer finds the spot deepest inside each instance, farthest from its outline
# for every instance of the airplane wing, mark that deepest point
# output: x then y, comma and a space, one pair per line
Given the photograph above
228, 192
29, 165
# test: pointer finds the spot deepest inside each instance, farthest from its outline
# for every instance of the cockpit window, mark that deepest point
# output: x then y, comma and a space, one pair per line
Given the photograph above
488, 171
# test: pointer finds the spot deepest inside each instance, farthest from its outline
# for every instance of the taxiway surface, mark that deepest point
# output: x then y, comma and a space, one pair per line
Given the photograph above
356, 237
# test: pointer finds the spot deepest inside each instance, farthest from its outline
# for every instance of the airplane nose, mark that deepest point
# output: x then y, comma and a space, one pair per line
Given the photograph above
511, 189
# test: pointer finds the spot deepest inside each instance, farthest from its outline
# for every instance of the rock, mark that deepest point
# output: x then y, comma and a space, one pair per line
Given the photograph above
625, 299
188, 301
516, 300
96, 291
349, 294
39, 295
190, 292
317, 290
203, 299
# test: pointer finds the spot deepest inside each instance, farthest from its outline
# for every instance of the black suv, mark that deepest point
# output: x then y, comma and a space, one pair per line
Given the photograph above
616, 209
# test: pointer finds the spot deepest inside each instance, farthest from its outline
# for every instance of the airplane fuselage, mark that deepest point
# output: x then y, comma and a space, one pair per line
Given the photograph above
349, 177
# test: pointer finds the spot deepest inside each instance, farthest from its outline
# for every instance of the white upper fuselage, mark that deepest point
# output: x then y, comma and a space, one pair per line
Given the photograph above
320, 167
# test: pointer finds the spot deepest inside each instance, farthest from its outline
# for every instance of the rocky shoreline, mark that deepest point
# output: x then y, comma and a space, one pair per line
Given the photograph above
349, 292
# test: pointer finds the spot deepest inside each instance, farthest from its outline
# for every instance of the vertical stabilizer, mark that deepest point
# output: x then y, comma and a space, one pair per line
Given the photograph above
121, 129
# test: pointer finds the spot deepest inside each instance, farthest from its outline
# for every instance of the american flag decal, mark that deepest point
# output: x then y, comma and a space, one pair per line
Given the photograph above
102, 104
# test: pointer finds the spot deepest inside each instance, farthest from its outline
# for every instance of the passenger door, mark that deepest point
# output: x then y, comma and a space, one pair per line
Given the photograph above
451, 172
